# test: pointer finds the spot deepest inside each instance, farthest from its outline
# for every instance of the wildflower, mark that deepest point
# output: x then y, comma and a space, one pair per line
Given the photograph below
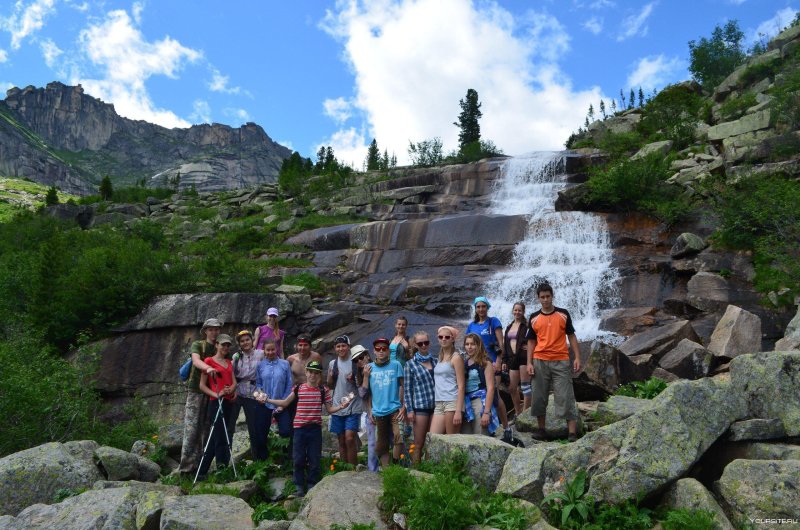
411, 450
332, 468
402, 456
334, 460
155, 437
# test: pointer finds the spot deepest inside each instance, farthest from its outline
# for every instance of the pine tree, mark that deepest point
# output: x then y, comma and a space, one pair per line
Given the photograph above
641, 97
385, 160
603, 109
591, 112
586, 123
631, 100
373, 156
621, 99
468, 119
613, 107
52, 196
393, 160
106, 189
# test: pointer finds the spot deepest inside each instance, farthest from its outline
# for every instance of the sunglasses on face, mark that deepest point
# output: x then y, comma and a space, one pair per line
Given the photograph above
381, 348
424, 343
445, 337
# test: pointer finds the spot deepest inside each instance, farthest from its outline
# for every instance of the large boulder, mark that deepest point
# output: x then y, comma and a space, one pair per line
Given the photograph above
35, 475
122, 465
756, 429
486, 455
344, 498
644, 453
660, 340
555, 426
768, 383
690, 494
791, 339
602, 366
688, 360
770, 451
708, 291
737, 332
108, 508
687, 244
662, 148
522, 474
761, 491
211, 512
748, 123
618, 408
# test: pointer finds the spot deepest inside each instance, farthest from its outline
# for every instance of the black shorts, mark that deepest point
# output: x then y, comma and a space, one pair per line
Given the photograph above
516, 361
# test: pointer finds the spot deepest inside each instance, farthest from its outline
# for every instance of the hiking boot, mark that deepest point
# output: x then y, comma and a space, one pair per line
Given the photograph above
573, 437
540, 434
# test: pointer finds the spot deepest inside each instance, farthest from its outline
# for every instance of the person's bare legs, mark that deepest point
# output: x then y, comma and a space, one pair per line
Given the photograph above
437, 424
525, 384
422, 424
513, 389
351, 448
451, 428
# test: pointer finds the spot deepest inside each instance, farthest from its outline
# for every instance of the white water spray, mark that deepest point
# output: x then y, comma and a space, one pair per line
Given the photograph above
569, 250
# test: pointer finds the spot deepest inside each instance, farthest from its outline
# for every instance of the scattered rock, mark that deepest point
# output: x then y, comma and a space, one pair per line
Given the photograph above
211, 512
690, 494
143, 448
688, 360
662, 148
756, 429
628, 321
618, 408
487, 455
769, 383
522, 472
761, 489
791, 339
602, 366
770, 451
245, 488
738, 332
659, 340
662, 374
35, 475
285, 226
121, 465
323, 505
687, 244
170, 437
708, 291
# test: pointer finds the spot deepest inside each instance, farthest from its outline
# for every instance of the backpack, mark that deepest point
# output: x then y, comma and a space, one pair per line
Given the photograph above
335, 370
185, 369
321, 393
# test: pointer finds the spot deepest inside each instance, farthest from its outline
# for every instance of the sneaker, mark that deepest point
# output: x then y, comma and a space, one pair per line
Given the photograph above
508, 436
573, 437
540, 434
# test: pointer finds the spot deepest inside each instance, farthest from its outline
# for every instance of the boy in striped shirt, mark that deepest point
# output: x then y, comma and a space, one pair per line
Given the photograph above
308, 425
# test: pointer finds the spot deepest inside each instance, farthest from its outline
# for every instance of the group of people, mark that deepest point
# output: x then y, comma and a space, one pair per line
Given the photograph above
403, 387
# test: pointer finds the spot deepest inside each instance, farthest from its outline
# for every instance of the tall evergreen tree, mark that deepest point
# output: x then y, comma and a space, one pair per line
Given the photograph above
631, 100
52, 196
641, 97
622, 99
373, 156
468, 119
106, 189
385, 160
603, 109
591, 112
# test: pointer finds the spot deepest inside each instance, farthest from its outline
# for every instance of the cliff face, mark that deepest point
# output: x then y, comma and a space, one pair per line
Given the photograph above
61, 136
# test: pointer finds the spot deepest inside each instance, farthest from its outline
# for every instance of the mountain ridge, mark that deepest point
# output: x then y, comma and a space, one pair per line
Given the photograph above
60, 136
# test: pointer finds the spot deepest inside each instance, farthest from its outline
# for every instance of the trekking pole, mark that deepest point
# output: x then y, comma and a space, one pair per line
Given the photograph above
210, 435
230, 442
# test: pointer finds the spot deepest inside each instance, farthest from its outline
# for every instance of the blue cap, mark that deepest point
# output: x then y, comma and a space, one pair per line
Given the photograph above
481, 299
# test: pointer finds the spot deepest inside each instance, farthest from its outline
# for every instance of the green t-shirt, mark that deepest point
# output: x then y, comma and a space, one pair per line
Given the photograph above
204, 349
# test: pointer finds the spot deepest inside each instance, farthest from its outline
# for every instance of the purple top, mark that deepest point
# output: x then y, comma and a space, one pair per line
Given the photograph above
265, 332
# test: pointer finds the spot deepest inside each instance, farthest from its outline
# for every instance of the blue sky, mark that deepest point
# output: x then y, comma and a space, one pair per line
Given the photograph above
340, 73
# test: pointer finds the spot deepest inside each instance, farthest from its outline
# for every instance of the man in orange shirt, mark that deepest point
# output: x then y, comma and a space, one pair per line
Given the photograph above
548, 331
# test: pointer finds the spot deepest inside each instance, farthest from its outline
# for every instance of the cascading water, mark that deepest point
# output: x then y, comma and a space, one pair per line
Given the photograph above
569, 250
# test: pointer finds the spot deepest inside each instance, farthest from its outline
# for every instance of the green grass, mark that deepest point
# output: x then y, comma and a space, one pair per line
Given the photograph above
17, 195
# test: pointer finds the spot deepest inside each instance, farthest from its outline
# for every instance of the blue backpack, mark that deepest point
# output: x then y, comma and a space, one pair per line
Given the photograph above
185, 369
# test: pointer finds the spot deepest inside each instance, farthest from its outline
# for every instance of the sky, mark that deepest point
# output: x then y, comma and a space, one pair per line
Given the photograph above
341, 73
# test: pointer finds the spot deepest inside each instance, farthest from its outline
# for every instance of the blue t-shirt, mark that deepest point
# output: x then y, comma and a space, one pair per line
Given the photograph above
487, 334
384, 384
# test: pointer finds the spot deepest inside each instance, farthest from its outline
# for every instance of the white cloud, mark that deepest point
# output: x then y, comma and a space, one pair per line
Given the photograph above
26, 20
737, 2
5, 85
413, 61
50, 52
600, 4
82, 7
287, 143
349, 146
594, 25
772, 26
136, 10
219, 83
635, 25
126, 60
657, 72
3, 55
201, 112
238, 114
339, 109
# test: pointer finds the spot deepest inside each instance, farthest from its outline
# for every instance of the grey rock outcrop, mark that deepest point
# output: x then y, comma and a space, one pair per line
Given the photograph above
756, 429
768, 382
323, 505
791, 339
213, 512
35, 475
618, 408
121, 465
658, 340
761, 490
687, 244
486, 455
690, 494
737, 332
688, 360
97, 142
555, 426
522, 473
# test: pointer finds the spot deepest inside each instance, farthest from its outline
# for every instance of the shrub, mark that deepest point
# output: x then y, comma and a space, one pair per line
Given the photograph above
671, 115
620, 144
733, 107
398, 488
426, 153
686, 519
571, 507
713, 59
643, 390
269, 512
625, 516
441, 502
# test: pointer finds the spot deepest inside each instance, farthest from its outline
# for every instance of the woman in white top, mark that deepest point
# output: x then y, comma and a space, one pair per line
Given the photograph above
448, 375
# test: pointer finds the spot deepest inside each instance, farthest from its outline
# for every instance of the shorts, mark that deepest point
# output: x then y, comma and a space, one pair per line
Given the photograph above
385, 425
423, 412
558, 375
351, 422
444, 406
520, 359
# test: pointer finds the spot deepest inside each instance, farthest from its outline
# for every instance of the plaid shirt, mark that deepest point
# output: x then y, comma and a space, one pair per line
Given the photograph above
418, 388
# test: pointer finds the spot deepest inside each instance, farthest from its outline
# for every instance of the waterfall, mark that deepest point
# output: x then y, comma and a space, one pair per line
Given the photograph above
569, 250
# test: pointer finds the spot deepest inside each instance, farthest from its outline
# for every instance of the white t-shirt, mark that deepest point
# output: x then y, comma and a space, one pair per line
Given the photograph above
344, 387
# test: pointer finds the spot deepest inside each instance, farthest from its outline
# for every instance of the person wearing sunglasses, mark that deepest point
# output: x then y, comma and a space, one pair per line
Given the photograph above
448, 376
385, 402
271, 330
419, 390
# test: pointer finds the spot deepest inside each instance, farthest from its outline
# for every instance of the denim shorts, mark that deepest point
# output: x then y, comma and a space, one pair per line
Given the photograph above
339, 424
